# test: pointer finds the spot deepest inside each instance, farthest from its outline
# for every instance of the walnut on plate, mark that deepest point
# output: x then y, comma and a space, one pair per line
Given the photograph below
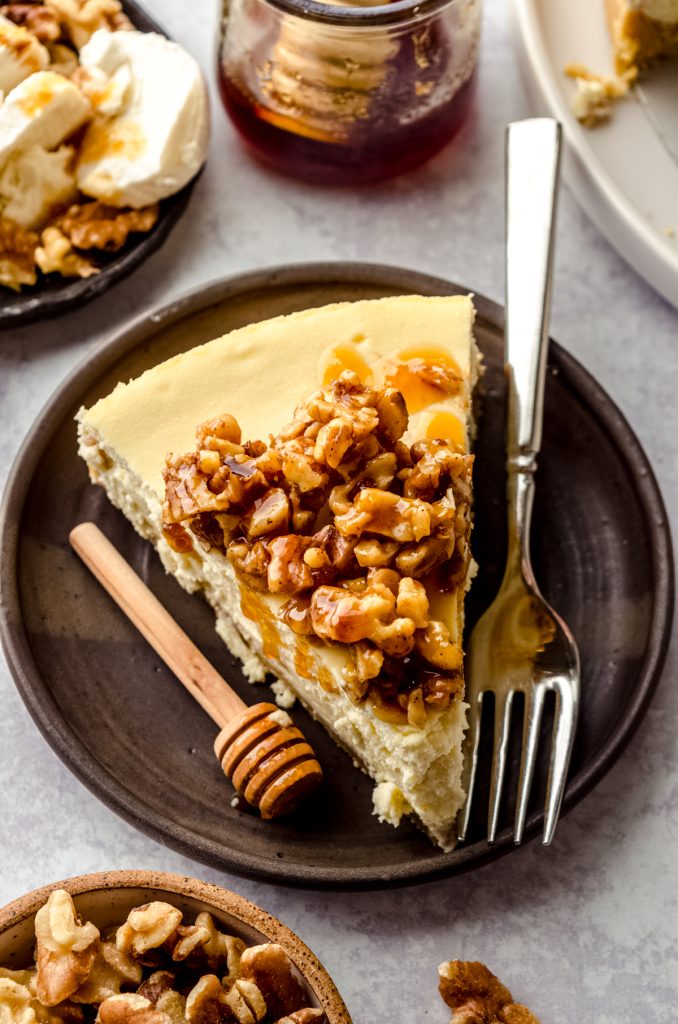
476, 996
38, 19
17, 255
80, 19
94, 225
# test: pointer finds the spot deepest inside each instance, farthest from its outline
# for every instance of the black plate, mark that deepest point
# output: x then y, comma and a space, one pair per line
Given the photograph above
118, 719
53, 294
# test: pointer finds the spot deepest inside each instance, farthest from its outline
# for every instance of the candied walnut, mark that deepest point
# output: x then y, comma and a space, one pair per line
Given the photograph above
417, 560
476, 996
56, 255
436, 465
375, 553
17, 255
347, 617
111, 969
219, 428
308, 1015
333, 441
39, 20
300, 467
434, 644
250, 560
146, 928
368, 662
177, 538
412, 602
81, 18
105, 228
65, 949
287, 572
269, 514
269, 967
440, 691
392, 413
129, 1008
387, 514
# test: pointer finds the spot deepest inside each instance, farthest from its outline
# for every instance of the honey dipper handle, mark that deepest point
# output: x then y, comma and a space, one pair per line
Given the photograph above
156, 624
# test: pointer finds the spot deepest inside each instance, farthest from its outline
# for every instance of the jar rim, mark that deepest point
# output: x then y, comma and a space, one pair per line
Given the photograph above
359, 15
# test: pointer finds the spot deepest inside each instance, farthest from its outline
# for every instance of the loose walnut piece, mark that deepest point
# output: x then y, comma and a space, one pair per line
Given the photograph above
147, 927
65, 949
476, 996
110, 970
269, 967
104, 228
129, 1008
17, 255
40, 20
81, 18
56, 255
16, 1003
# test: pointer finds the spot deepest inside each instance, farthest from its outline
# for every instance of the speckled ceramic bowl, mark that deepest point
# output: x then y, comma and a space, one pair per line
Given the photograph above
107, 897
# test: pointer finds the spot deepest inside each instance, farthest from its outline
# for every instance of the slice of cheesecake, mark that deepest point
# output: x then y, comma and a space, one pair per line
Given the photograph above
643, 31
317, 491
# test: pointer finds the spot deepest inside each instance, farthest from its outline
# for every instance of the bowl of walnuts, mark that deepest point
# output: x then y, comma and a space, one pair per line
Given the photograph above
144, 947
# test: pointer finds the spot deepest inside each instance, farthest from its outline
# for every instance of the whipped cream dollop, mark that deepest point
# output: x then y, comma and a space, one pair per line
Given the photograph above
156, 141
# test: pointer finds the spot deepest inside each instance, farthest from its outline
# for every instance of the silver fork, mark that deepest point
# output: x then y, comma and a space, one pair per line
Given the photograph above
521, 645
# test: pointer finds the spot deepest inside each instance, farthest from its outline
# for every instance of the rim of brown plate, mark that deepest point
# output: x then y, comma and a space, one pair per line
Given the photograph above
224, 900
59, 735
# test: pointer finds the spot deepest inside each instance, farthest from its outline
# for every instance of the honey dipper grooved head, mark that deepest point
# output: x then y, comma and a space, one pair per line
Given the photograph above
268, 760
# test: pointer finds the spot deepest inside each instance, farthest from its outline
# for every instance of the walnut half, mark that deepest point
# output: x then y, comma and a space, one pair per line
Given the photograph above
476, 996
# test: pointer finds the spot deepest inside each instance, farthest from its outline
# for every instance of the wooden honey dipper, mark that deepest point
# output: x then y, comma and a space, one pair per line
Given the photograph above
270, 764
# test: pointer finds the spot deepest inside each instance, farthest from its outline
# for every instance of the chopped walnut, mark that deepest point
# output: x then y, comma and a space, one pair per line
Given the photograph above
269, 967
222, 952
65, 949
104, 228
39, 20
340, 515
80, 19
56, 255
476, 996
173, 1006
129, 1008
246, 1002
17, 255
146, 928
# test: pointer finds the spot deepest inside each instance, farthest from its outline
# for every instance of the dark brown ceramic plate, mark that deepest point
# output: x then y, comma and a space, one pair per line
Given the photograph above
119, 720
53, 294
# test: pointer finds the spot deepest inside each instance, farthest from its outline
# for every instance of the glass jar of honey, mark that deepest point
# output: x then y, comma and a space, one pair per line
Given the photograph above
347, 92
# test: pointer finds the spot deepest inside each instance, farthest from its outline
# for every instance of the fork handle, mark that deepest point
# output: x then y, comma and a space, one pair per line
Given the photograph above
532, 172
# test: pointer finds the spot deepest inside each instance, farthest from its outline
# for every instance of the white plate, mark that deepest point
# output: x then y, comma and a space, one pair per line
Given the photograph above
624, 173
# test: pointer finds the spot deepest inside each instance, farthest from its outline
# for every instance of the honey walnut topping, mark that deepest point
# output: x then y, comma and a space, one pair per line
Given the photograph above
38, 19
337, 513
476, 996
17, 254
